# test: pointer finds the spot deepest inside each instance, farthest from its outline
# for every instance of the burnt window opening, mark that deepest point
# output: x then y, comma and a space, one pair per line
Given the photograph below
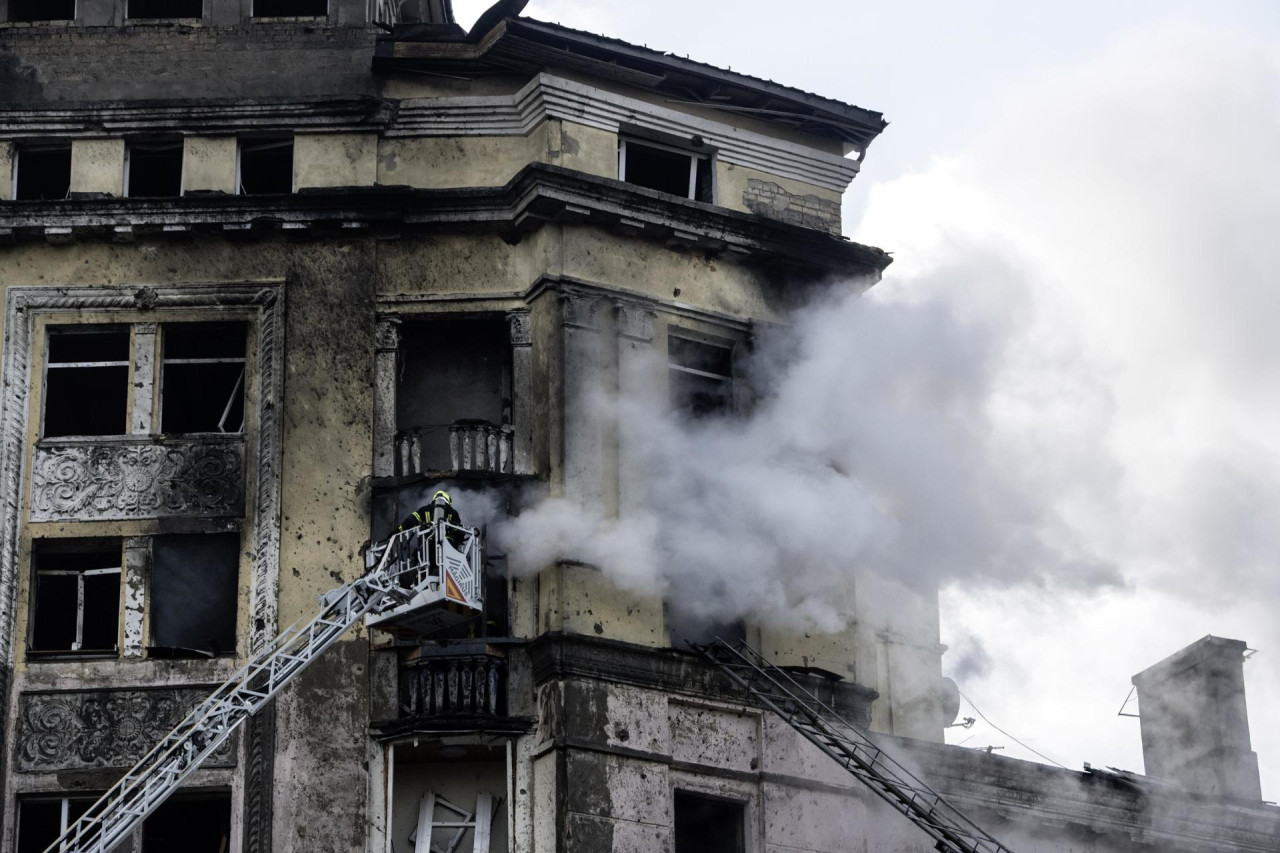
160, 9
202, 378
687, 631
42, 172
266, 166
290, 8
453, 397
76, 597
700, 376
154, 169
41, 820
33, 11
189, 823
666, 169
194, 595
86, 381
708, 824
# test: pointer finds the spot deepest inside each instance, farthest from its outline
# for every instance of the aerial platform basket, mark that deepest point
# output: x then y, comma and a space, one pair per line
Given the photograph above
442, 562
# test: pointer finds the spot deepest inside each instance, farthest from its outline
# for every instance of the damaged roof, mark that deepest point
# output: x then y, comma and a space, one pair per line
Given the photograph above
503, 42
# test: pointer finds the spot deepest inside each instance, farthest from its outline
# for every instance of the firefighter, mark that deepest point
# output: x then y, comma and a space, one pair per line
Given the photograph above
423, 515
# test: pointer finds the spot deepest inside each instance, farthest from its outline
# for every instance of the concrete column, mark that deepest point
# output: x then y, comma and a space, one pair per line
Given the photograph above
137, 565
209, 164
386, 356
521, 337
144, 378
7, 152
584, 374
640, 377
97, 166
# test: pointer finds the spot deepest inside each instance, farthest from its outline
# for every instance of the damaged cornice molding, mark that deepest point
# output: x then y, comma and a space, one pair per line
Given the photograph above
540, 193
202, 118
549, 96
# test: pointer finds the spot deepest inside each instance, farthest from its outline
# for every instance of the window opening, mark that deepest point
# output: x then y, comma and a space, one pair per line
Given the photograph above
86, 388
153, 9
194, 595
32, 11
700, 376
202, 377
709, 824
189, 823
453, 397
41, 820
154, 169
290, 8
266, 166
42, 172
76, 597
666, 169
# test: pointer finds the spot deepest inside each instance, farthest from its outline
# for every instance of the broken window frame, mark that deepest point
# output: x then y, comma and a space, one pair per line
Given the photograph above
157, 650
156, 144
261, 143
11, 18
694, 158
49, 364
237, 390
57, 547
129, 16
727, 380
15, 178
254, 13
66, 819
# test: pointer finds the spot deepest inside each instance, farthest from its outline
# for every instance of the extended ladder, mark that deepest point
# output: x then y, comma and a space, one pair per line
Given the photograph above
854, 751
435, 564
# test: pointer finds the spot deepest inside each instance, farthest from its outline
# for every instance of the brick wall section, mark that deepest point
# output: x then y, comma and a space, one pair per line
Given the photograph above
768, 199
159, 61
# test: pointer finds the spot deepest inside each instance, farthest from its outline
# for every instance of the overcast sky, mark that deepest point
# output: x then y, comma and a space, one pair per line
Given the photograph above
1100, 182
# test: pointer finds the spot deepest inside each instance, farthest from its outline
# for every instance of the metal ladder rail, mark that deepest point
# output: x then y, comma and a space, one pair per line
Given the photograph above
853, 750
162, 770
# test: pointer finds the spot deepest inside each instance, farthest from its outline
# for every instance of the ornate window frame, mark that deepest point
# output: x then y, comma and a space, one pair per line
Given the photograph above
24, 305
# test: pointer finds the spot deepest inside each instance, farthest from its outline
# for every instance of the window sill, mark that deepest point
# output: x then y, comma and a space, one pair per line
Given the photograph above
152, 22
58, 656
290, 19
26, 24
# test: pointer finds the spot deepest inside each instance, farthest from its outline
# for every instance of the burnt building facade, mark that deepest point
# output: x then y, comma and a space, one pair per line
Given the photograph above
273, 271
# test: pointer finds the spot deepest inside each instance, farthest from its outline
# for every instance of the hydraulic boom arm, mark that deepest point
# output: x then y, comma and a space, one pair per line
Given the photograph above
417, 568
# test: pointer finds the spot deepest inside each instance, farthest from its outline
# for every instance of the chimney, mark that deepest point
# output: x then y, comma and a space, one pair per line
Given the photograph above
1195, 728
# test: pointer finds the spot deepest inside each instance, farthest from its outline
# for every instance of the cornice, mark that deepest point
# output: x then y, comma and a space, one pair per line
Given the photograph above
539, 194
550, 96
208, 118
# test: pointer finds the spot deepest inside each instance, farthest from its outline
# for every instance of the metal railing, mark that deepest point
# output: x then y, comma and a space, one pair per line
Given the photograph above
384, 12
473, 446
454, 685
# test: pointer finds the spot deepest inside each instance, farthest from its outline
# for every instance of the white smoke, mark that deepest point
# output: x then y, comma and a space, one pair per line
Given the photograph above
876, 444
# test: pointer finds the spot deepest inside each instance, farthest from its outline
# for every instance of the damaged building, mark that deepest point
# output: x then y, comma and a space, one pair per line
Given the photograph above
273, 271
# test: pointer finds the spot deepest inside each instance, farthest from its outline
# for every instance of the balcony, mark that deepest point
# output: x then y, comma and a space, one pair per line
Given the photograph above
436, 686
476, 446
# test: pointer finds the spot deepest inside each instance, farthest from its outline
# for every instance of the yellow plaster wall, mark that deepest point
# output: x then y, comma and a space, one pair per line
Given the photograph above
576, 599
209, 164
583, 148
731, 182
335, 160
435, 162
97, 166
709, 283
